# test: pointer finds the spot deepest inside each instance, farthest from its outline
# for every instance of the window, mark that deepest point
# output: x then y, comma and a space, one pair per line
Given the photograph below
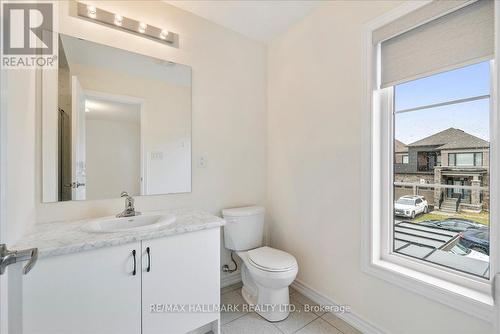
452, 159
405, 159
478, 159
465, 159
426, 161
444, 196
428, 80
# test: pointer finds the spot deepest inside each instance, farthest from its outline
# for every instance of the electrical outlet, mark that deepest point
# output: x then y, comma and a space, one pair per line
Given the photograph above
157, 155
202, 161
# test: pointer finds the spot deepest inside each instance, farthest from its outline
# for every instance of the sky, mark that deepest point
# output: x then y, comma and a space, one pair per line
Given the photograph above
472, 117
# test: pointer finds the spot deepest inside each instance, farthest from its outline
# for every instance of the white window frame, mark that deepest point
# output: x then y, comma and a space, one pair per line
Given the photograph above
407, 156
464, 292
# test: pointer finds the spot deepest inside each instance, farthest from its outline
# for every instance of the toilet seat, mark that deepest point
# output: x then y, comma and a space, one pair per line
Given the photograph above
271, 260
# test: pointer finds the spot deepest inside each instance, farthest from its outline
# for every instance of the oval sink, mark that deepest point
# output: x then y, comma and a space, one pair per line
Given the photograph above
136, 223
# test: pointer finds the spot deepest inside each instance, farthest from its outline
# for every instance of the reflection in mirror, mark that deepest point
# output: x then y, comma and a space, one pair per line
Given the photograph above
120, 122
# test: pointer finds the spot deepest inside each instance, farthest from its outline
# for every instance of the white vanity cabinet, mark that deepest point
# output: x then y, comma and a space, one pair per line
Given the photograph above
94, 292
183, 271
86, 292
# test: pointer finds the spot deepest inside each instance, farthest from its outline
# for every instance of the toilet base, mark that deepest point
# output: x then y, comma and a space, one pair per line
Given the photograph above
272, 312
276, 303
271, 304
249, 298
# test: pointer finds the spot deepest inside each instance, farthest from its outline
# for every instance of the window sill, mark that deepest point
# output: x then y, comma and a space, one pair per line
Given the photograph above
480, 305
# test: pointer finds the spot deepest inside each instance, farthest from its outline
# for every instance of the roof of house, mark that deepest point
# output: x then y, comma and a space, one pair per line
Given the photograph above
400, 147
452, 139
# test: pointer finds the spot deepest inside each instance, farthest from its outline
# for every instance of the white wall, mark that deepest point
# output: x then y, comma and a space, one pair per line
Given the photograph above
113, 157
229, 117
18, 115
314, 158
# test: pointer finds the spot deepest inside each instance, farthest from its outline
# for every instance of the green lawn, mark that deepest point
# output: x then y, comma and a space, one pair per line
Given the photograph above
482, 218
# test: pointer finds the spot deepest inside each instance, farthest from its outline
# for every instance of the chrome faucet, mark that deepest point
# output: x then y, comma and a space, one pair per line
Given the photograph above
129, 207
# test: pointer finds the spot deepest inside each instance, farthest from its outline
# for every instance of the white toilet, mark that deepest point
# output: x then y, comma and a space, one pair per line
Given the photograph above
266, 272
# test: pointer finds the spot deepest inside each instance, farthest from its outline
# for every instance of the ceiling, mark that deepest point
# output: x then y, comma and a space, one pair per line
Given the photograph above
259, 20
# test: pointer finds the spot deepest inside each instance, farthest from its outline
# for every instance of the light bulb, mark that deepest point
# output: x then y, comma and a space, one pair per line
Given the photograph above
118, 20
92, 11
164, 34
142, 27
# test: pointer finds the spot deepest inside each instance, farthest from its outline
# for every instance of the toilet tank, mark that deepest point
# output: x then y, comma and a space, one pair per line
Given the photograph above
244, 228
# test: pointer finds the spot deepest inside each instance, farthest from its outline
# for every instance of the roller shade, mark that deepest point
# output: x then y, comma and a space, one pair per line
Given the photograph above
459, 38
417, 17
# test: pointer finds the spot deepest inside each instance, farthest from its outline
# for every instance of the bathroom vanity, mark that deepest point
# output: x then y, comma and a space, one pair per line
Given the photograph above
163, 280
113, 122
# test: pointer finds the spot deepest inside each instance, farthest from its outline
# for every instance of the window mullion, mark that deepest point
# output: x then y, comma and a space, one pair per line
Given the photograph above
443, 104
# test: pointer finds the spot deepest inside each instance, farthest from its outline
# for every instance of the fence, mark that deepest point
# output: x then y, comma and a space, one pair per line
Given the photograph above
473, 197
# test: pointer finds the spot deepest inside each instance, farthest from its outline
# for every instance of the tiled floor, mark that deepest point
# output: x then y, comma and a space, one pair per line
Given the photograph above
298, 322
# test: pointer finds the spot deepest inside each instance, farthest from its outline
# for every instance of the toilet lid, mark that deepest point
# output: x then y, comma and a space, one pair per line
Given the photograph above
271, 259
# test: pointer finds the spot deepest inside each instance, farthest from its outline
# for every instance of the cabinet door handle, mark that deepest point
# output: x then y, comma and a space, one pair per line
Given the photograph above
148, 251
135, 264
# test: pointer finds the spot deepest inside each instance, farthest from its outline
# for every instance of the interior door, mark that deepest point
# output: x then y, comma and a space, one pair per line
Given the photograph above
78, 161
10, 281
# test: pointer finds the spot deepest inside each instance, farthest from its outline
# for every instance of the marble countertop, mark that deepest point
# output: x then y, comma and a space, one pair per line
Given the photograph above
57, 238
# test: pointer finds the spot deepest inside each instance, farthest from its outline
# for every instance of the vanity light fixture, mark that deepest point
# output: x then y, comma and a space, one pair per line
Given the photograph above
117, 21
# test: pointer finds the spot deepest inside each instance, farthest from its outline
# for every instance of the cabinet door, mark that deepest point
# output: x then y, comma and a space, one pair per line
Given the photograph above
184, 270
90, 292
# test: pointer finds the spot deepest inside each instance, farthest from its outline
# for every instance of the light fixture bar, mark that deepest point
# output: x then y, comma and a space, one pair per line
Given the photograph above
118, 21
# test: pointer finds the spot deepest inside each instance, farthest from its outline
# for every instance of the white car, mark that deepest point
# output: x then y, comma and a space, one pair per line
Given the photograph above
410, 206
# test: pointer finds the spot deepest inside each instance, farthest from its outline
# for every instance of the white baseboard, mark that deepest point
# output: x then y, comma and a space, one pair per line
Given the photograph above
230, 279
351, 318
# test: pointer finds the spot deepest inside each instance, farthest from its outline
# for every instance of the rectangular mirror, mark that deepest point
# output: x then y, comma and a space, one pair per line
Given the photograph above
114, 121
